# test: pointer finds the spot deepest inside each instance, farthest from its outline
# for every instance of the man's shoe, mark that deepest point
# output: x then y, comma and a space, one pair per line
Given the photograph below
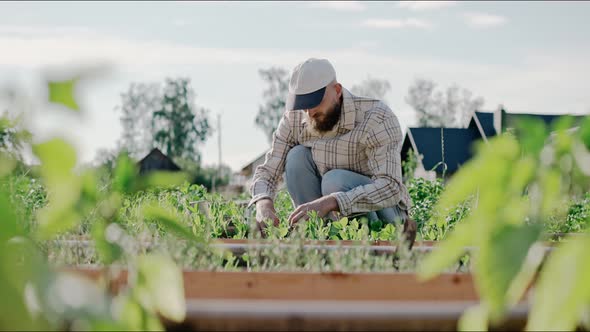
409, 233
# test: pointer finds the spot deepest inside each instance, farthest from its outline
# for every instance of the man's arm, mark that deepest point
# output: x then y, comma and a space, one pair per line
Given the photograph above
267, 175
383, 151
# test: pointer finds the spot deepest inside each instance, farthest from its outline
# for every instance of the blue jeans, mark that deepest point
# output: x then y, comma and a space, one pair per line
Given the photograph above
305, 184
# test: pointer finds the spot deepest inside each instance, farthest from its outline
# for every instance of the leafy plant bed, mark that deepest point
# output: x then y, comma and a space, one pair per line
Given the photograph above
240, 247
275, 255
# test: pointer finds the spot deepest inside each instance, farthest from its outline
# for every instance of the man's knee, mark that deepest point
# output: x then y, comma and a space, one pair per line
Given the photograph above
296, 156
333, 181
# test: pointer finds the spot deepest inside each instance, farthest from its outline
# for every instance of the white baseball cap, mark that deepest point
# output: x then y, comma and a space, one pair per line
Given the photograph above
308, 83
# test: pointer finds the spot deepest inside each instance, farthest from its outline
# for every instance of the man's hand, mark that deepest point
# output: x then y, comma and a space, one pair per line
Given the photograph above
265, 210
322, 205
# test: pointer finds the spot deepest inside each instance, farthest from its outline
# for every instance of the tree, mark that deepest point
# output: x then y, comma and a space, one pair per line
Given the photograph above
164, 117
271, 111
420, 97
179, 124
372, 87
464, 103
433, 108
138, 106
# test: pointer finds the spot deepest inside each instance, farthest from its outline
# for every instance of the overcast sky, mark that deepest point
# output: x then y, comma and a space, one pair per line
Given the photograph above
528, 56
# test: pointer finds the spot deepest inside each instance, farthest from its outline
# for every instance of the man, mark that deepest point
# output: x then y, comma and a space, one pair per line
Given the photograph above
340, 154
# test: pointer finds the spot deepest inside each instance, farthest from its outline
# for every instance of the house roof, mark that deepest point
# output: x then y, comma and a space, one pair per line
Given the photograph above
486, 119
510, 119
157, 160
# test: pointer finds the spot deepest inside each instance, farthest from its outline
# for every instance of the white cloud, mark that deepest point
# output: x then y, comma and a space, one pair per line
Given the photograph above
354, 6
180, 22
378, 23
484, 20
425, 5
39, 31
46, 51
364, 44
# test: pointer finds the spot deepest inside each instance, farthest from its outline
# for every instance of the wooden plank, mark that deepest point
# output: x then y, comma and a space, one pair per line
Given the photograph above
327, 286
315, 286
281, 301
257, 315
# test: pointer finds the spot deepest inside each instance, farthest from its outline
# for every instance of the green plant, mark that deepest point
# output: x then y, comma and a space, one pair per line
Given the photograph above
27, 195
425, 195
570, 217
504, 224
409, 166
34, 295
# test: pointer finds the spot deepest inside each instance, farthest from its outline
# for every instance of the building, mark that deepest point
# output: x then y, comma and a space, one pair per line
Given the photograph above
455, 146
509, 120
440, 151
245, 175
156, 161
248, 170
243, 178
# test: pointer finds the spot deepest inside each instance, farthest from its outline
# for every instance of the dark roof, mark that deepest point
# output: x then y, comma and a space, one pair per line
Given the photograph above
457, 146
458, 142
486, 119
509, 119
156, 160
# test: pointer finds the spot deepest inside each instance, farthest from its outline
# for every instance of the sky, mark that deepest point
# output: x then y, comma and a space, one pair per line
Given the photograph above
528, 56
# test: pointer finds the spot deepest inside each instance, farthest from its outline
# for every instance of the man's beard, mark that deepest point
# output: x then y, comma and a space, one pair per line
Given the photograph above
326, 123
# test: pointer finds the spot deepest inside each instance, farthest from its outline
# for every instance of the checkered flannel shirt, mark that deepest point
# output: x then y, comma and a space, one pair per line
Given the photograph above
366, 140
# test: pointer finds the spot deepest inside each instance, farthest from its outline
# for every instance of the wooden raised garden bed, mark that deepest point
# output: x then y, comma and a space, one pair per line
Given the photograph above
284, 301
281, 301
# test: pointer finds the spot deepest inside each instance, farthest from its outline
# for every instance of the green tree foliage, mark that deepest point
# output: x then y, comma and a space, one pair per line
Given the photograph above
180, 125
275, 96
163, 116
138, 105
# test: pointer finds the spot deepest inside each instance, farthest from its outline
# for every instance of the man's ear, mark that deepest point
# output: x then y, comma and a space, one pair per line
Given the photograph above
338, 88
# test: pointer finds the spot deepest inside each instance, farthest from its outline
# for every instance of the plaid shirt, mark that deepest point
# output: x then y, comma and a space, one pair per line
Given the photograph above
366, 140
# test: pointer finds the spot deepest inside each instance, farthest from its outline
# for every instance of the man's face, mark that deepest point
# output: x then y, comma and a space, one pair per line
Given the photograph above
325, 116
